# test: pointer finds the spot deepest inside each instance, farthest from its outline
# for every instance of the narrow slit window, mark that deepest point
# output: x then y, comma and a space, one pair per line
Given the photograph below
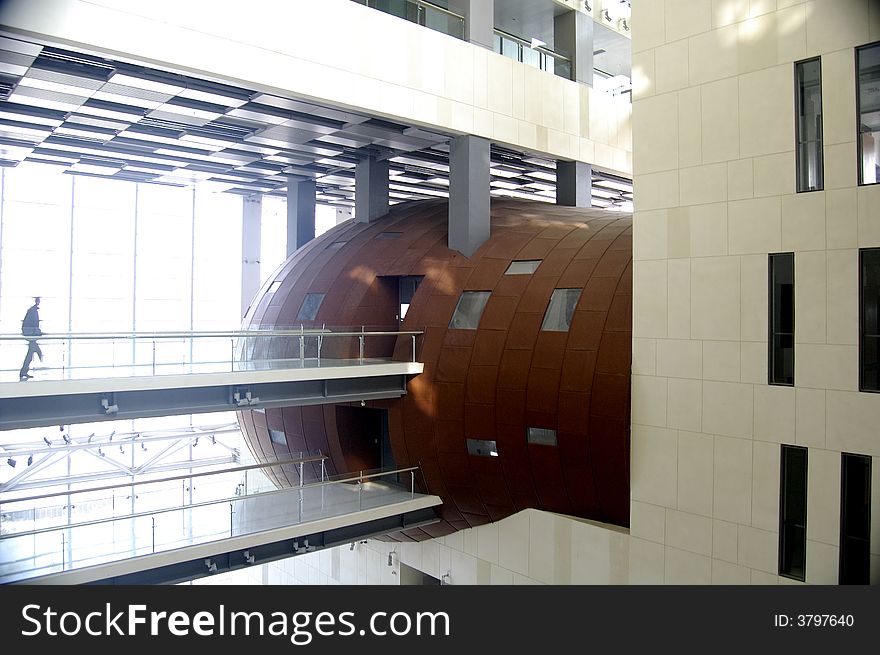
557, 318
469, 310
808, 82
868, 112
274, 286
793, 513
277, 436
482, 447
855, 519
310, 306
869, 319
781, 319
542, 436
523, 267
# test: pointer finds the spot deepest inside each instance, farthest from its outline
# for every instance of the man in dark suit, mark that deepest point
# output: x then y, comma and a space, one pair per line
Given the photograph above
30, 327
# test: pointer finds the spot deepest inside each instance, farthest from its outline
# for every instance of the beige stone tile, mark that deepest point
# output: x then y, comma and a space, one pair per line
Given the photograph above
652, 16
758, 549
687, 17
646, 562
823, 492
842, 268
726, 12
684, 568
753, 362
649, 299
763, 579
774, 414
774, 174
765, 111
647, 521
513, 544
826, 367
724, 573
678, 235
654, 458
841, 218
809, 298
869, 210
715, 298
643, 75
822, 563
683, 404
733, 481
720, 120
809, 422
656, 191
680, 358
671, 66
695, 472
836, 25
838, 97
690, 138
753, 293
724, 541
728, 409
679, 299
689, 532
754, 226
840, 165
655, 121
721, 361
851, 422
759, 42
765, 486
791, 33
713, 55
803, 221
644, 358
759, 7
649, 400
704, 184
708, 229
740, 179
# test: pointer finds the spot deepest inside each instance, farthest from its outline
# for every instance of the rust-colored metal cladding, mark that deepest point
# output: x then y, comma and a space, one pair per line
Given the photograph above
523, 404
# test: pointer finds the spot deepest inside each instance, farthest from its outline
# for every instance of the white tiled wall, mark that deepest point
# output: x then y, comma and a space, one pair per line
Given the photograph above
713, 125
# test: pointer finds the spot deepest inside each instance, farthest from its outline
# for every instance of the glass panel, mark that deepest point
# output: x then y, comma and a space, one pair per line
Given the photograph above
531, 57
482, 447
560, 310
277, 436
469, 310
523, 267
793, 513
509, 48
542, 436
855, 519
781, 320
309, 309
809, 125
868, 64
869, 341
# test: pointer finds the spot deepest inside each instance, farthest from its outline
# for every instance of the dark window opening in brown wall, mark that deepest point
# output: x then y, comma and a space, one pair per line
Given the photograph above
869, 319
277, 436
781, 319
808, 99
406, 289
793, 513
542, 436
310, 306
482, 447
469, 310
855, 519
557, 318
868, 112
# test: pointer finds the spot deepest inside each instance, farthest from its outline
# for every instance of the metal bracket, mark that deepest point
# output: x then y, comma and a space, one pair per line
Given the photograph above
108, 408
245, 401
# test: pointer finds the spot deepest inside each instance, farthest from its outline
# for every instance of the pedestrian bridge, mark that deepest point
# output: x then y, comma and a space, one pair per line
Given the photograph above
87, 377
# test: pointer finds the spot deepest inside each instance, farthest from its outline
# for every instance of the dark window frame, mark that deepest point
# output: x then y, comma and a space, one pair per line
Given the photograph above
859, 160
774, 377
786, 524
483, 293
862, 335
541, 438
798, 141
313, 315
845, 536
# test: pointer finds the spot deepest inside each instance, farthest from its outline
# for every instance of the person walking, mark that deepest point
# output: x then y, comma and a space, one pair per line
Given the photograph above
30, 327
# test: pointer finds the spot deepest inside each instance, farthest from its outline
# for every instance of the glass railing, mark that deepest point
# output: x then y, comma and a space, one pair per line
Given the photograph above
96, 355
56, 532
539, 57
422, 13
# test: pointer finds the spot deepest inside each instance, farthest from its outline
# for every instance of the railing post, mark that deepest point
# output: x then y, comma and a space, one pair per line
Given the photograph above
360, 490
361, 346
302, 344
412, 484
230, 519
63, 552
414, 347
232, 355
154, 357
153, 519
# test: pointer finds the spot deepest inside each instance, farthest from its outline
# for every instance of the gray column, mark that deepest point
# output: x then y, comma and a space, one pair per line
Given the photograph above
251, 222
573, 36
574, 184
300, 212
370, 189
468, 193
479, 20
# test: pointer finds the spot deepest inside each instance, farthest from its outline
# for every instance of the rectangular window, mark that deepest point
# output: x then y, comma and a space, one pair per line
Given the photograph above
793, 513
482, 447
557, 318
523, 267
808, 82
855, 519
542, 436
310, 306
277, 436
868, 112
469, 310
869, 319
781, 320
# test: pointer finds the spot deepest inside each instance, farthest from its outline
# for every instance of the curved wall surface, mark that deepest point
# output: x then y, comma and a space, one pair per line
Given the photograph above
488, 384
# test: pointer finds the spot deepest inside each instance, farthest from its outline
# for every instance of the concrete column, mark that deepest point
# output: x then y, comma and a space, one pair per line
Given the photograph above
251, 221
573, 36
370, 189
574, 184
300, 212
468, 193
479, 20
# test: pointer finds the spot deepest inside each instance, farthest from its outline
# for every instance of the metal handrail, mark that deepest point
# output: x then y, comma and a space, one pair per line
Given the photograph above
443, 10
206, 335
522, 41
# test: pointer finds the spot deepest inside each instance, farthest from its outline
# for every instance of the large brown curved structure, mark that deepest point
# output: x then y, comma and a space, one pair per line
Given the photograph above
490, 383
